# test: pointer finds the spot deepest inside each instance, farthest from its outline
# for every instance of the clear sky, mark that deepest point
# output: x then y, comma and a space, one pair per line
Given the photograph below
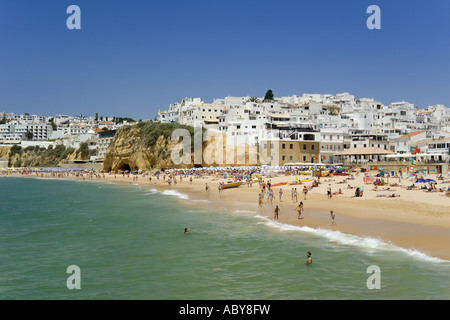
132, 57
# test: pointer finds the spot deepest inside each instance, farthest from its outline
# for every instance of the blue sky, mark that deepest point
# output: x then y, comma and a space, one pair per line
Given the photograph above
132, 57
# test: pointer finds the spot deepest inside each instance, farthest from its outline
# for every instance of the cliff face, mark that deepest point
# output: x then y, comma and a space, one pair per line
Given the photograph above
4, 152
44, 157
148, 146
144, 147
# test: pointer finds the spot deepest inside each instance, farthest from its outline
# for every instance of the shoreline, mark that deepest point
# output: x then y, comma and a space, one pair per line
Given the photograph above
410, 222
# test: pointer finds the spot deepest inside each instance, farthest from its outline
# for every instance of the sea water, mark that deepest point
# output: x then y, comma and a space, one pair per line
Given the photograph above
129, 243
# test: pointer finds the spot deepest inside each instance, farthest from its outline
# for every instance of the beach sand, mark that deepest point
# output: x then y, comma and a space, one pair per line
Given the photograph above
417, 220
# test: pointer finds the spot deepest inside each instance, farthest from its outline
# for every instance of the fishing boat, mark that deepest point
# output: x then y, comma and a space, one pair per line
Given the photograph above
231, 184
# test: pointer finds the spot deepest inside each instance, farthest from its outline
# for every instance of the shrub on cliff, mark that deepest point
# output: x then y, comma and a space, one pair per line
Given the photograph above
150, 131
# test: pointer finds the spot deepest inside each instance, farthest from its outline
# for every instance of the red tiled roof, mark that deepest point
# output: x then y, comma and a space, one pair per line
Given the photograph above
412, 134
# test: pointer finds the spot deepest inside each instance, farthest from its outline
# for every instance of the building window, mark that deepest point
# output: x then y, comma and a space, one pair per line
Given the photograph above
304, 146
304, 158
312, 147
283, 158
290, 158
283, 146
291, 146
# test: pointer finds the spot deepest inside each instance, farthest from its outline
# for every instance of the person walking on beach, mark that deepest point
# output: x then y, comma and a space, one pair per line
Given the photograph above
277, 210
305, 192
190, 180
300, 210
329, 191
332, 217
280, 193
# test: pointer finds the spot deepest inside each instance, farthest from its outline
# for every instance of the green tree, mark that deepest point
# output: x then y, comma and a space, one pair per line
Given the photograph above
269, 95
253, 99
53, 124
96, 116
29, 135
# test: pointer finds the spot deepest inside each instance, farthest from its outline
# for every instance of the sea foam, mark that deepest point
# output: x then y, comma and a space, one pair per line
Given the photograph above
175, 193
367, 243
168, 193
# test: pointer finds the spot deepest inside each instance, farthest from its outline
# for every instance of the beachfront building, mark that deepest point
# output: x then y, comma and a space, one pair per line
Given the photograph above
364, 139
363, 155
103, 140
331, 142
402, 144
441, 146
356, 123
299, 144
10, 139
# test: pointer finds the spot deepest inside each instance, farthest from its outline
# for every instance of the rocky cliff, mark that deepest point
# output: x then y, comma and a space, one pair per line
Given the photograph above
148, 146
145, 146
45, 157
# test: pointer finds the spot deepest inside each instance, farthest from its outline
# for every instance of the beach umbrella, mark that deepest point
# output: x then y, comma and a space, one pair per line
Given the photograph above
421, 181
430, 180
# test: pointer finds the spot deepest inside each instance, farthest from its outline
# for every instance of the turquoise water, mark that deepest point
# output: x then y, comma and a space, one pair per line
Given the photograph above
129, 244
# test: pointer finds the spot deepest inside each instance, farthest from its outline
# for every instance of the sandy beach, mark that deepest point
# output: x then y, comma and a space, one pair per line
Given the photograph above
416, 220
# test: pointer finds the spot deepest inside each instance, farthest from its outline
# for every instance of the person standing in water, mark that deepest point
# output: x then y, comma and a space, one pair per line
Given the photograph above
277, 210
309, 259
332, 217
186, 231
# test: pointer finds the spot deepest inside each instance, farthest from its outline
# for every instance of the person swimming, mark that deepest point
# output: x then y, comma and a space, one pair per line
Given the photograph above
309, 259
